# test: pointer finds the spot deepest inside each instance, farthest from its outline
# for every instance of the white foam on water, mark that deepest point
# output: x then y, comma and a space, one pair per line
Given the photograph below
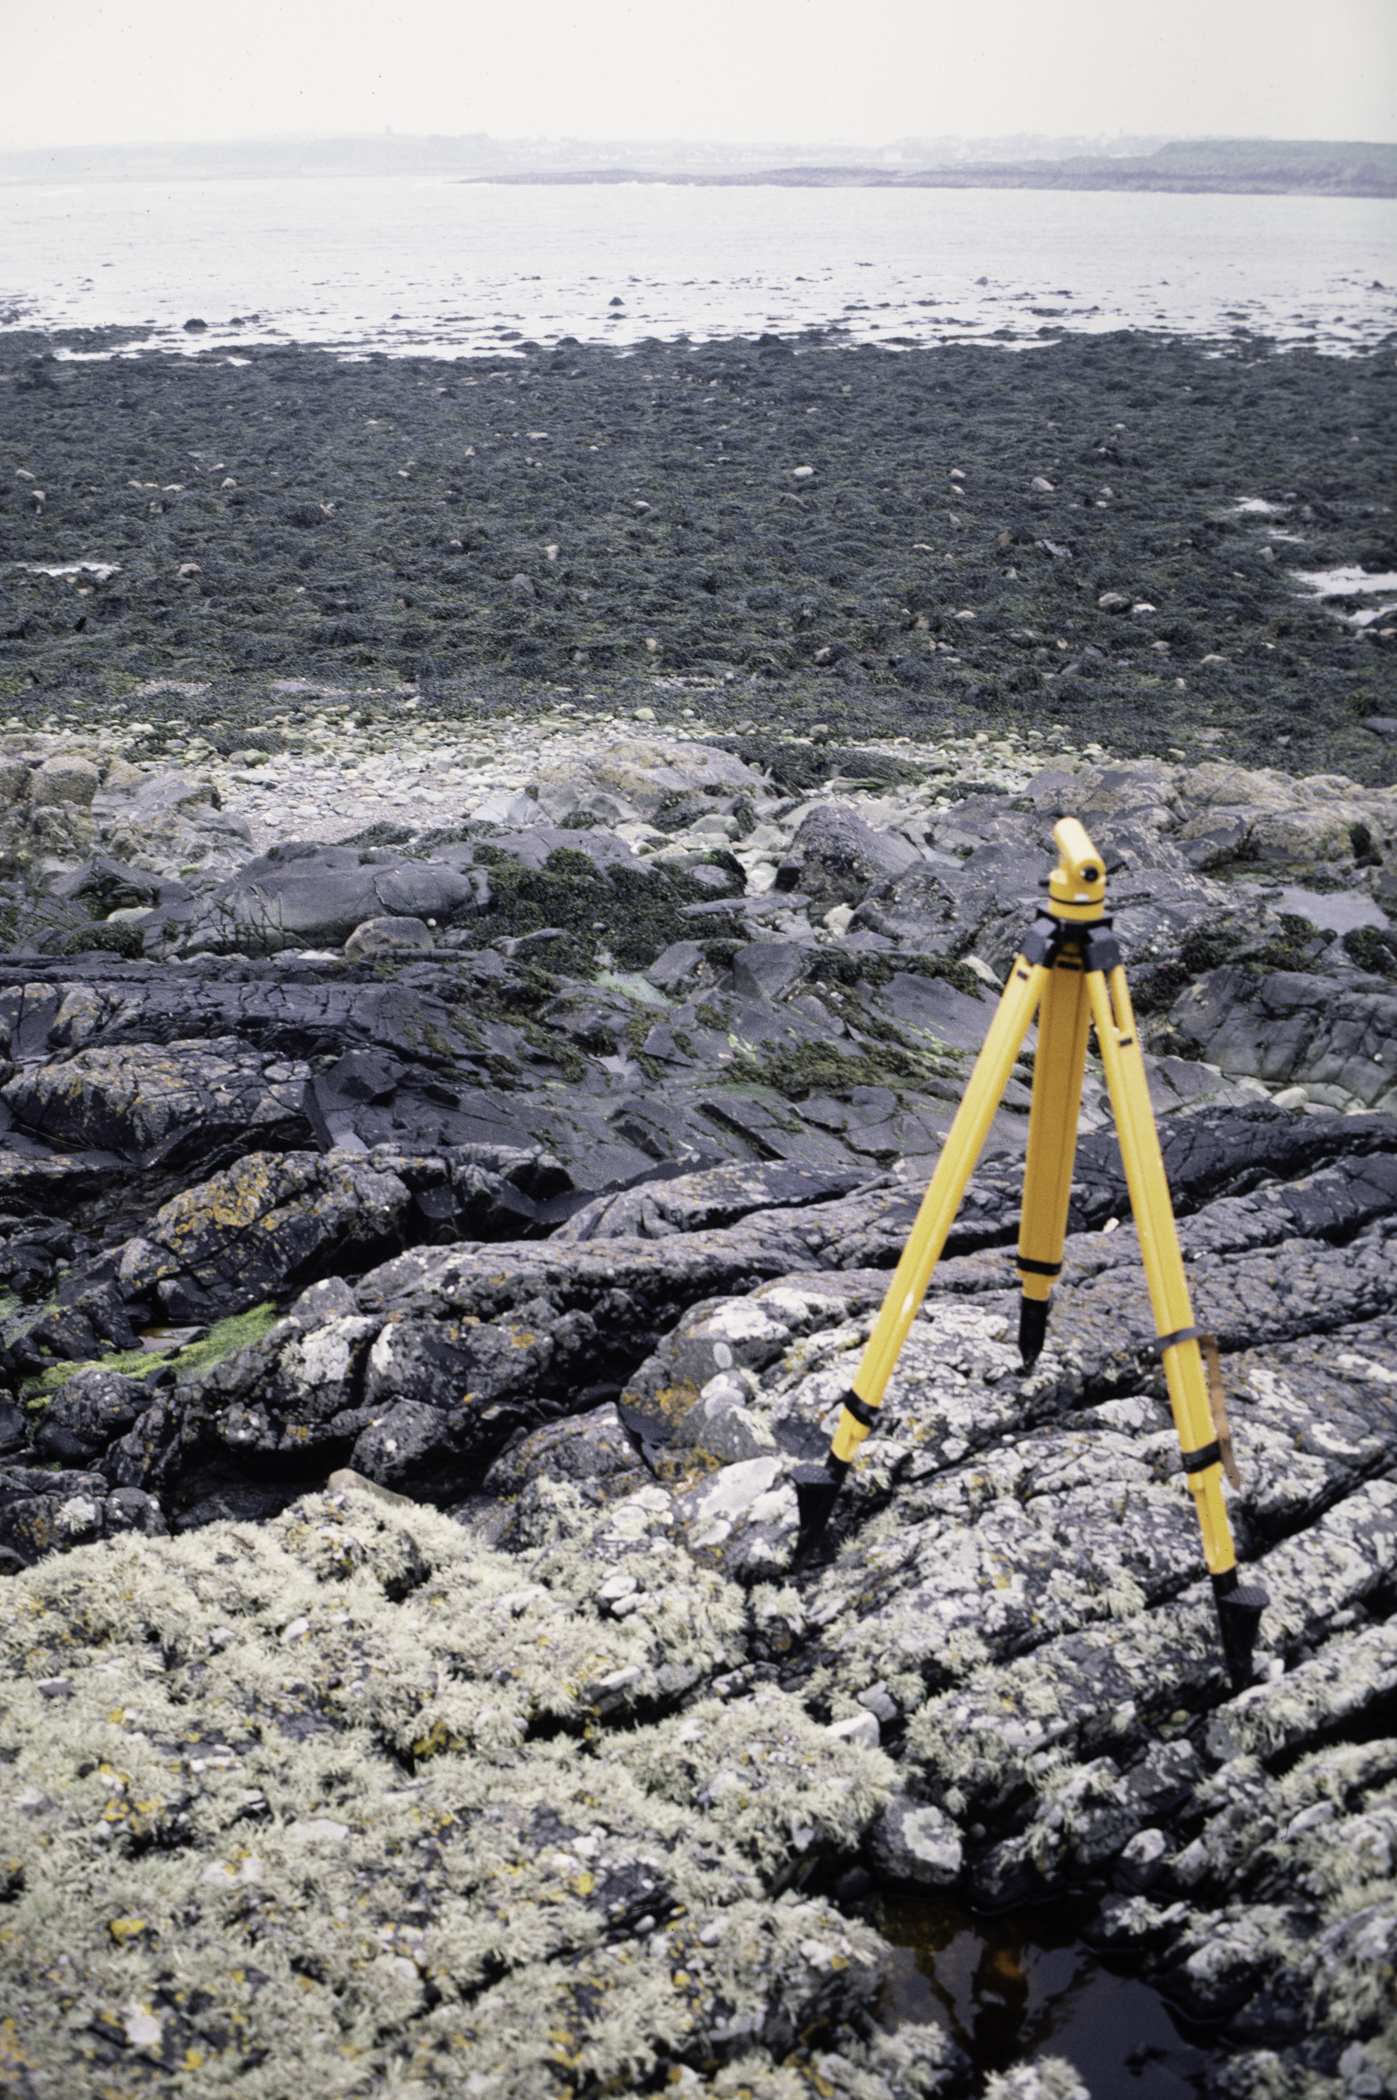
100, 569
1346, 583
1351, 583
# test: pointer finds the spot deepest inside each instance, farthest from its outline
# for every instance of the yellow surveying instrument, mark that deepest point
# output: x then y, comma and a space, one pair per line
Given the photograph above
1071, 967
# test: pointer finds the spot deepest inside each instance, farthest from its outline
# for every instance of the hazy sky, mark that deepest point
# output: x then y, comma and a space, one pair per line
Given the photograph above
98, 71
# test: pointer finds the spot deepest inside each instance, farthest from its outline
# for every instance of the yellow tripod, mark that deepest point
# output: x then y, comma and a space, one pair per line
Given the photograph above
1071, 968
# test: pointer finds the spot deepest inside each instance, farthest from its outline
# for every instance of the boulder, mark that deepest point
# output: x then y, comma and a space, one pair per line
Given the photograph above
915, 1845
249, 1231
835, 858
586, 1449
169, 822
1291, 1026
533, 845
43, 1512
408, 1446
88, 1413
62, 779
401, 937
721, 1423
763, 969
641, 778
940, 907
309, 896
679, 962
115, 885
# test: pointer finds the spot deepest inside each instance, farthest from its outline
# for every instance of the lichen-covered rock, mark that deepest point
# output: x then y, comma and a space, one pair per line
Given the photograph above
89, 1413
43, 1512
250, 1230
1047, 2078
1000, 1672
915, 1845
1079, 1693
527, 1902
591, 1450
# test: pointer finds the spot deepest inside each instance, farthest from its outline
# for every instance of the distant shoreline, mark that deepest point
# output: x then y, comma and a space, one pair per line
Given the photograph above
1262, 167
978, 176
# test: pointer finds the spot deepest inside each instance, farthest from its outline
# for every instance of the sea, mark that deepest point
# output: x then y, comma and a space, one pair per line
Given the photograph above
442, 268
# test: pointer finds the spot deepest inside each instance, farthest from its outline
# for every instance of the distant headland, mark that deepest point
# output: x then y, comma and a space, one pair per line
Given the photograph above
1285, 167
1298, 167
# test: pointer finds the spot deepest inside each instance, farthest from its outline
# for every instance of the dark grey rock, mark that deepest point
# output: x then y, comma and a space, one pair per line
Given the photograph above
44, 1512
311, 896
915, 1845
258, 1226
676, 965
763, 969
88, 1413
835, 858
174, 1104
1292, 1025
591, 1447
116, 885
409, 1441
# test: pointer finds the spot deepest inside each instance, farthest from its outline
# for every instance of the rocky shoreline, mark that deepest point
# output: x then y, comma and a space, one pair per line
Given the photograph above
454, 1149
491, 1220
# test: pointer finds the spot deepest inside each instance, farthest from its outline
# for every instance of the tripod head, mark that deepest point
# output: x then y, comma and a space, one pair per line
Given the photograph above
1077, 885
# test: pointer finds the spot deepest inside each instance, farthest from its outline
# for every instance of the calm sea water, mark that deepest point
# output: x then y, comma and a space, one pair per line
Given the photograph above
452, 269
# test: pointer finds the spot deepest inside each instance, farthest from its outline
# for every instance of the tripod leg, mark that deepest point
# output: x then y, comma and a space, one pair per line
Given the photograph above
1239, 1609
816, 1488
1063, 1022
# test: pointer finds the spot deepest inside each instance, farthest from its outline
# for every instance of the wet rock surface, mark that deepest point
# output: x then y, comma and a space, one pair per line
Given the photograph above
450, 1169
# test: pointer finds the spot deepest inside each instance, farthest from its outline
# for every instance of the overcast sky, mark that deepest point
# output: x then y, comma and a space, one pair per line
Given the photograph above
106, 71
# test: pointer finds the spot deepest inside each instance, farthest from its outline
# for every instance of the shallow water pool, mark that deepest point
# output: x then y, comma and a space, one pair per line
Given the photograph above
1024, 1985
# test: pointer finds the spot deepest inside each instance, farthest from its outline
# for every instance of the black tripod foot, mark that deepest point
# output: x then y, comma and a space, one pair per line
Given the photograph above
817, 1489
1033, 1327
1239, 1619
